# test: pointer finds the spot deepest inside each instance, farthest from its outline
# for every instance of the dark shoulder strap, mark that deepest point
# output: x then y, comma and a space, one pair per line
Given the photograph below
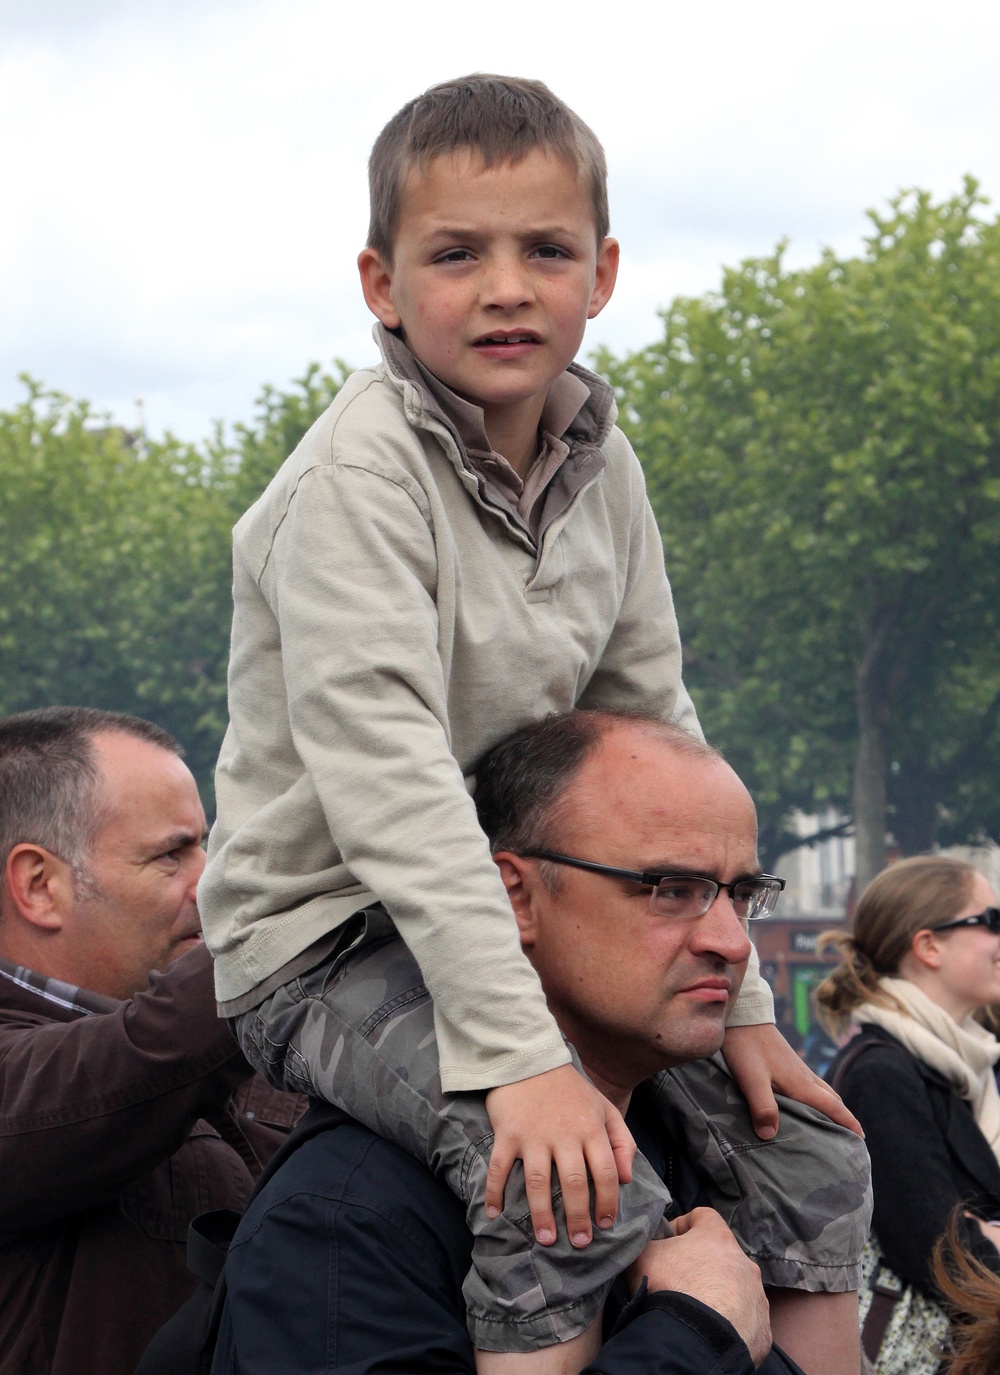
853, 1050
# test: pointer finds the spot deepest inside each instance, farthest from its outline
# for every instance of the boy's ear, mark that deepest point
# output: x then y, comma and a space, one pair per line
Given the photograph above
376, 284
605, 276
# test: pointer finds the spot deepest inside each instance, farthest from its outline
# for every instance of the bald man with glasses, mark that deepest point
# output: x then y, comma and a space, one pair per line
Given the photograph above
628, 851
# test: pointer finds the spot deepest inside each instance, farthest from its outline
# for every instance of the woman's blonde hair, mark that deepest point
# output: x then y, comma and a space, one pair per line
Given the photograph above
910, 896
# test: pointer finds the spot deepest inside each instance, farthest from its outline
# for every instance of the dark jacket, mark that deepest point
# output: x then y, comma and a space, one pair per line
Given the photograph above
928, 1156
119, 1122
352, 1259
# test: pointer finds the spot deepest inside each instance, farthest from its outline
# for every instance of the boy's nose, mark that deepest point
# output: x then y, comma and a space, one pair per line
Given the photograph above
507, 284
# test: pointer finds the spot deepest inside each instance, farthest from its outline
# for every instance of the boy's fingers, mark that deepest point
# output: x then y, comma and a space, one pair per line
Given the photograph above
821, 1096
572, 1170
538, 1186
622, 1144
764, 1112
604, 1171
754, 1080
501, 1160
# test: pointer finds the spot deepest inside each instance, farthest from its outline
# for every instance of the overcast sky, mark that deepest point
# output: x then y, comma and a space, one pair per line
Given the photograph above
183, 181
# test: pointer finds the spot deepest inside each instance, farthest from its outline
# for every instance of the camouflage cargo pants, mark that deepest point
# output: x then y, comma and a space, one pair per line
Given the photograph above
358, 1031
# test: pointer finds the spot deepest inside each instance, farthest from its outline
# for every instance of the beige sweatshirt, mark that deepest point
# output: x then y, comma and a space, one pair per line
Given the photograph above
393, 620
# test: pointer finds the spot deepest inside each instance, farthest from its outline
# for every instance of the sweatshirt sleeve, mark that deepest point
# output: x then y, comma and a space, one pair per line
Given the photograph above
369, 719
88, 1105
641, 670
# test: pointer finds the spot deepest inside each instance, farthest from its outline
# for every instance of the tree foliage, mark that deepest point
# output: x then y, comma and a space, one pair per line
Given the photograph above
116, 570
822, 448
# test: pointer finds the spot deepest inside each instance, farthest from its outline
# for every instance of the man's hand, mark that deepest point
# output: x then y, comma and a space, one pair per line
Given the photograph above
761, 1061
558, 1118
704, 1260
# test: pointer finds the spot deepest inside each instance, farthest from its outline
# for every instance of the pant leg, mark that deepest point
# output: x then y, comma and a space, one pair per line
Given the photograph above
799, 1204
358, 1031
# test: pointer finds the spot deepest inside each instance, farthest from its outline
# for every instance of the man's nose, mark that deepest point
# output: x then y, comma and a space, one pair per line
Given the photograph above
721, 932
198, 862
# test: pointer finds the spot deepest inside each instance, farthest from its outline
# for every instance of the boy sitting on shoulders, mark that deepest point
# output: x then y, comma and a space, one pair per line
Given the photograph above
460, 545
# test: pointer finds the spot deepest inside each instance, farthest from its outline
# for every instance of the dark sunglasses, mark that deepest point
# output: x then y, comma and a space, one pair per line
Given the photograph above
989, 917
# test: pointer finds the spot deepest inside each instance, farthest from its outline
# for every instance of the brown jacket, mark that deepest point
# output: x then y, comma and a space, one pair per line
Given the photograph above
119, 1122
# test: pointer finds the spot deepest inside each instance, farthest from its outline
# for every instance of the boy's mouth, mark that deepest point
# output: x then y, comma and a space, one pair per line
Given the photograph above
507, 343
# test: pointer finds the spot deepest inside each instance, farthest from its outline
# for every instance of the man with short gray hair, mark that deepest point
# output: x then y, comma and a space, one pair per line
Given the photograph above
113, 1062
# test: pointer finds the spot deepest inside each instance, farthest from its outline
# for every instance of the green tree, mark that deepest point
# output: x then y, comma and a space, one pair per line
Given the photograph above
281, 419
822, 448
116, 566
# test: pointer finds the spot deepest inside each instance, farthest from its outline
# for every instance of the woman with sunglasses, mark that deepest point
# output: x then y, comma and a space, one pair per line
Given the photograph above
923, 958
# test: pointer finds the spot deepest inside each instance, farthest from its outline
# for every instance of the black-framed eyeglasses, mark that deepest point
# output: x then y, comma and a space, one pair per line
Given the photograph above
685, 895
988, 917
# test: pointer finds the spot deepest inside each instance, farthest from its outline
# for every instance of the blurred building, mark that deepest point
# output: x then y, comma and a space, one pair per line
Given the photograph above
818, 896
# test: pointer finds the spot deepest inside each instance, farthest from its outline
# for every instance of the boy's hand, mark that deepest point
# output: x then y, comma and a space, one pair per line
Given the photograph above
558, 1118
761, 1061
703, 1259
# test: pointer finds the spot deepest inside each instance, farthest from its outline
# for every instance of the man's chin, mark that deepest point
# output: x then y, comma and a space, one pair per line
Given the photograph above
695, 1041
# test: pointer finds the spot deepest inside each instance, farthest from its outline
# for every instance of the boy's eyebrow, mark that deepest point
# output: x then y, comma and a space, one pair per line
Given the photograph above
472, 234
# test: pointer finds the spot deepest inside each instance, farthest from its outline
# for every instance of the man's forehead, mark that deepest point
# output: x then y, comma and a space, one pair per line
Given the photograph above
146, 785
639, 788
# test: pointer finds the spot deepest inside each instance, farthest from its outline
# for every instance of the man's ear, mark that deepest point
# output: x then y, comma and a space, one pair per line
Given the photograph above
376, 284
39, 886
519, 878
926, 949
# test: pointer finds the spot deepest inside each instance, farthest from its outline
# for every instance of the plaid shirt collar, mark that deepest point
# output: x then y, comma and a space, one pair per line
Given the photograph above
66, 996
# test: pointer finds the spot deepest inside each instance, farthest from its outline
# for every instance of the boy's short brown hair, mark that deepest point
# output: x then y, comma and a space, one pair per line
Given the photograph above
500, 119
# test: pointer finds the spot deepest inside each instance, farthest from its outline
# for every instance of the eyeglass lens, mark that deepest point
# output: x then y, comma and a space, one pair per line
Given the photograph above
692, 897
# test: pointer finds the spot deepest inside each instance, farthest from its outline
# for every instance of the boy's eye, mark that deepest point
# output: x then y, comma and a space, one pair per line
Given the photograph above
454, 255
549, 250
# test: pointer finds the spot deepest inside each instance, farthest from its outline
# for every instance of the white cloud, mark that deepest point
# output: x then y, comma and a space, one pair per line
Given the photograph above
186, 181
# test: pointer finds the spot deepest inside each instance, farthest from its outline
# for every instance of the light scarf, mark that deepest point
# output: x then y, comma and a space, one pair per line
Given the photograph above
964, 1053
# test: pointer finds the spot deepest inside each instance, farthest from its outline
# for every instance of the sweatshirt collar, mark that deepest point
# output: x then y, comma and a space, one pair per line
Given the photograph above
580, 404
578, 414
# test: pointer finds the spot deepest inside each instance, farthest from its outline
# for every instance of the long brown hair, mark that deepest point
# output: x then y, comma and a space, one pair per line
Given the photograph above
910, 896
972, 1291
